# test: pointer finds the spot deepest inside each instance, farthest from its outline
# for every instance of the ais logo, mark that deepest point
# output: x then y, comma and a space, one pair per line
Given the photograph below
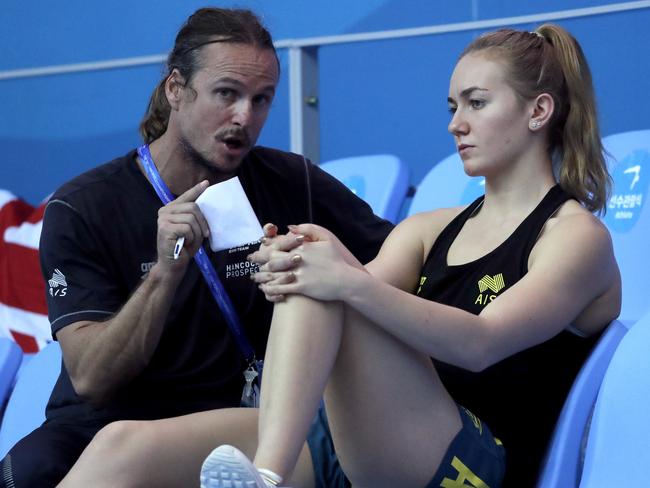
58, 285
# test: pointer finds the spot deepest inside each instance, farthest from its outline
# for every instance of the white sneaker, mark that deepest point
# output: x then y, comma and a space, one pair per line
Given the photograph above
228, 467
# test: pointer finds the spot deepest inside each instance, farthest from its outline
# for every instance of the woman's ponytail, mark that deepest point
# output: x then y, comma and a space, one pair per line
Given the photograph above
583, 172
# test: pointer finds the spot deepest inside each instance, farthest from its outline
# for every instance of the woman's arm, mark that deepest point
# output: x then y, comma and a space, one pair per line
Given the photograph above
573, 265
398, 263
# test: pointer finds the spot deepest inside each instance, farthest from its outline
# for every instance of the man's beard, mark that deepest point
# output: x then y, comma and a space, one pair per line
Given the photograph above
191, 154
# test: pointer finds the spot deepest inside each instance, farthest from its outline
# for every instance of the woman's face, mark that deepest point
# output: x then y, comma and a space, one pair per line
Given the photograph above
489, 122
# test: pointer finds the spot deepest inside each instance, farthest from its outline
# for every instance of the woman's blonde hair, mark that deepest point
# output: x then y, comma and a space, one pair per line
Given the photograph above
550, 60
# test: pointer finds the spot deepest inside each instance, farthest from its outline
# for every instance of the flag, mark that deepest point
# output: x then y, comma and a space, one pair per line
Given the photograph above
23, 311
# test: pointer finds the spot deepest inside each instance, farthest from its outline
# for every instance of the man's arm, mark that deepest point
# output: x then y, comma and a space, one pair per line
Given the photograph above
102, 356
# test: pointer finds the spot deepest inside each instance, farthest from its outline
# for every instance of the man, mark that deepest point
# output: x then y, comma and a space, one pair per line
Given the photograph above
141, 335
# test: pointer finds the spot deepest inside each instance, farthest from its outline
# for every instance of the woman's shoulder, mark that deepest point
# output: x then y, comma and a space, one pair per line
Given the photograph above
440, 217
407, 246
420, 230
573, 221
578, 238
578, 243
427, 226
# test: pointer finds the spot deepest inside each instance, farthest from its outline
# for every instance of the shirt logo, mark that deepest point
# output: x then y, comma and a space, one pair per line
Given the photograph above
58, 285
423, 279
494, 283
243, 268
145, 267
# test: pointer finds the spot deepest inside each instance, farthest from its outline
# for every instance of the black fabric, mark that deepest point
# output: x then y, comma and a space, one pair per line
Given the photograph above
42, 458
99, 241
521, 396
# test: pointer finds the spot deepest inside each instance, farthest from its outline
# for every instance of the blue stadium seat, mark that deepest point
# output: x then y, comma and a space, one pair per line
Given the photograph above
10, 359
26, 407
628, 216
563, 463
380, 180
446, 185
618, 446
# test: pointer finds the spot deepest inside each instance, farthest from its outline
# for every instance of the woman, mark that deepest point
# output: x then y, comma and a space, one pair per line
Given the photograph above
507, 295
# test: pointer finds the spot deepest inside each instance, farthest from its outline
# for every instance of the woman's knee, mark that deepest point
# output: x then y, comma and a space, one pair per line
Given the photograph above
123, 438
116, 453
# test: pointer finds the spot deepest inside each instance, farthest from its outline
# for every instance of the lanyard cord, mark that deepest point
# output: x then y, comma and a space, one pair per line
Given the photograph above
206, 267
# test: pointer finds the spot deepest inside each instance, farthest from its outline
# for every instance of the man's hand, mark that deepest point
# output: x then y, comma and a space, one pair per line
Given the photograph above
181, 218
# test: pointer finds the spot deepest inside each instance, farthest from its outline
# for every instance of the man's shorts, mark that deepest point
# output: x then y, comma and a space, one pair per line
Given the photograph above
474, 457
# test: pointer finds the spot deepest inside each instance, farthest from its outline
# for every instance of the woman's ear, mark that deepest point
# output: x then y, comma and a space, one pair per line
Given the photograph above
174, 86
542, 112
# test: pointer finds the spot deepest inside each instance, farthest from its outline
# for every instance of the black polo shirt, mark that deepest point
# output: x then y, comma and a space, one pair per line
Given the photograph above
99, 241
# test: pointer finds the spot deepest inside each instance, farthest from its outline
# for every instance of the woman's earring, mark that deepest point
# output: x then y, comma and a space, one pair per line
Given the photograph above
535, 124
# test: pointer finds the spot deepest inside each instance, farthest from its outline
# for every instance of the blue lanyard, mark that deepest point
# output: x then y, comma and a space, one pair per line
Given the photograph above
202, 260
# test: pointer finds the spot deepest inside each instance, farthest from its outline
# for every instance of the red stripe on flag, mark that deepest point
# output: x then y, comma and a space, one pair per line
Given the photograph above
26, 342
15, 212
21, 283
37, 215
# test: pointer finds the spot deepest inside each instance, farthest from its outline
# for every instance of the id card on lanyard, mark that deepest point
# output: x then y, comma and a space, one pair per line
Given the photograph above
253, 373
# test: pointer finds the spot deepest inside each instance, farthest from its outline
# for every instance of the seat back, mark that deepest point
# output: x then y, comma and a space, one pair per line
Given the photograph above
381, 180
26, 407
628, 216
10, 359
446, 185
563, 463
618, 446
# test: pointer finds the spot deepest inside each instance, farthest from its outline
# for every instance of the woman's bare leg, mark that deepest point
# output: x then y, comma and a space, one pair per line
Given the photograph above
302, 346
391, 418
169, 452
